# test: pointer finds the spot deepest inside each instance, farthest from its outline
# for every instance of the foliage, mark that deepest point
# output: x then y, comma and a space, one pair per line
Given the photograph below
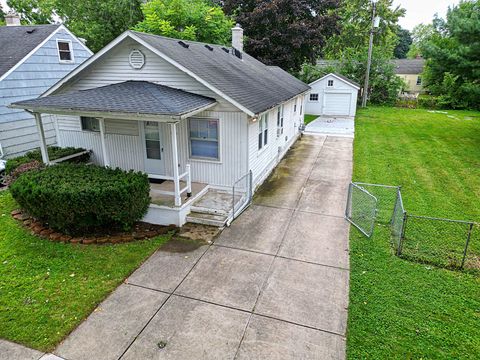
21, 169
99, 22
394, 311
403, 44
54, 152
426, 101
197, 20
355, 22
49, 288
285, 33
420, 35
453, 57
2, 15
78, 198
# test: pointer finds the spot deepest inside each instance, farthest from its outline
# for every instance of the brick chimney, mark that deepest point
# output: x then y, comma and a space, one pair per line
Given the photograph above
237, 37
12, 19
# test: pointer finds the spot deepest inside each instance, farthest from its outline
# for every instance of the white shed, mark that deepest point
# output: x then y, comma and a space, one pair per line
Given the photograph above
333, 95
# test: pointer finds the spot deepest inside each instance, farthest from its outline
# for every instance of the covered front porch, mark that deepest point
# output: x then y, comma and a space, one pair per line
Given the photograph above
156, 112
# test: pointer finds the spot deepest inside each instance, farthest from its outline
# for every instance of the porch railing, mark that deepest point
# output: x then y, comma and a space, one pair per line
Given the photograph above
186, 177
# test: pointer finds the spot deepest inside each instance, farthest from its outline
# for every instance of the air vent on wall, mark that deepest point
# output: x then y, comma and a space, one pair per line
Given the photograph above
136, 59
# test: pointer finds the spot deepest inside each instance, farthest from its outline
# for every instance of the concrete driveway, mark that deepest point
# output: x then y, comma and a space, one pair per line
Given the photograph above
333, 126
273, 286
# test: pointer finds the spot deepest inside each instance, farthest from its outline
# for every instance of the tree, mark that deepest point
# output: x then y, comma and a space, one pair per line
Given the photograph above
2, 15
199, 20
99, 22
420, 35
403, 44
453, 57
286, 33
356, 23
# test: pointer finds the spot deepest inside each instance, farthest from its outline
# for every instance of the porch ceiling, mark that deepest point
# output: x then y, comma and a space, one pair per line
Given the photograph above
130, 99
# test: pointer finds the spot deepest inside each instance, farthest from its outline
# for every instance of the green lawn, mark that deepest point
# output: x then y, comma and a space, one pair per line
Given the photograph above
309, 118
401, 309
47, 288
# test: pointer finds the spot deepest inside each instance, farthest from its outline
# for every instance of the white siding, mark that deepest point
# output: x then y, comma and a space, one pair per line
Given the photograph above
39, 72
115, 68
331, 100
263, 161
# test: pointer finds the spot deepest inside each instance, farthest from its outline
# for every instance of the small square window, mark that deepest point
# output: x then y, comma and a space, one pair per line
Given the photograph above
313, 97
90, 123
330, 83
65, 51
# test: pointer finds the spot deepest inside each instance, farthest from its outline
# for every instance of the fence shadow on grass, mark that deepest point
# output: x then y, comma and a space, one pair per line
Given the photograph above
451, 244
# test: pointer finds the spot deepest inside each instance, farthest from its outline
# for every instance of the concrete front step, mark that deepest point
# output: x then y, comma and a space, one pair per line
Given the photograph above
207, 219
205, 210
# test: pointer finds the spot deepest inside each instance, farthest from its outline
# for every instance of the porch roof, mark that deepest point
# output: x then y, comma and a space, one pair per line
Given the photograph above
130, 98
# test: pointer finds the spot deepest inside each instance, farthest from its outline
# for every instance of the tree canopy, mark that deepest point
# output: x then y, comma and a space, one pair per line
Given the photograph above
453, 57
420, 35
2, 15
99, 22
404, 42
199, 20
286, 33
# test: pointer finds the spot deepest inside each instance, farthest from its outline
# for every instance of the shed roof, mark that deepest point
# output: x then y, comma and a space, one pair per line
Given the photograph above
130, 97
16, 42
409, 66
342, 78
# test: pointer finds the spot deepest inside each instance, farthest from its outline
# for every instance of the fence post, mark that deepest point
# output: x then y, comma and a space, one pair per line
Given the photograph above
402, 234
349, 201
469, 235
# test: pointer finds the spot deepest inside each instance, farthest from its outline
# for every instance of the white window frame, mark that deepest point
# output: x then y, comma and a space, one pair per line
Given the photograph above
262, 132
419, 81
330, 81
87, 129
199, 158
70, 45
313, 94
280, 115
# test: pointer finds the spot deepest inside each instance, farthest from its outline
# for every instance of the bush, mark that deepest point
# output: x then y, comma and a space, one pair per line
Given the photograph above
54, 152
21, 169
428, 102
78, 199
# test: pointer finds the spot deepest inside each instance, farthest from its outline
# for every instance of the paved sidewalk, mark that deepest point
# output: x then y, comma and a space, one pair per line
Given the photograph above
273, 286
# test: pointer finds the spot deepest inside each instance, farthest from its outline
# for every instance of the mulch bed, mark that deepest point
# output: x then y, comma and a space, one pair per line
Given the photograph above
141, 231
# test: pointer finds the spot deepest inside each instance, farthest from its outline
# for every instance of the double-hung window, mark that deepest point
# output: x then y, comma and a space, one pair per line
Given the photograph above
203, 134
280, 120
263, 131
419, 80
65, 53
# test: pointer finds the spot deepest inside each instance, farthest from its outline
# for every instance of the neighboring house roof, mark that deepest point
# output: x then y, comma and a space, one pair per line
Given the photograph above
409, 66
245, 82
16, 42
133, 97
340, 77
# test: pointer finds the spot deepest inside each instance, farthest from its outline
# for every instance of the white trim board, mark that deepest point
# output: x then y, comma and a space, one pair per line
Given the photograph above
337, 77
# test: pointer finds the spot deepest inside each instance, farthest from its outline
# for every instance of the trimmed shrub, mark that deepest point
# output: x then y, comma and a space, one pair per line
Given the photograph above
54, 152
428, 101
21, 169
77, 199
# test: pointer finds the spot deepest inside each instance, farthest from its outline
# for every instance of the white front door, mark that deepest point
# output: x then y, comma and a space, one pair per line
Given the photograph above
153, 145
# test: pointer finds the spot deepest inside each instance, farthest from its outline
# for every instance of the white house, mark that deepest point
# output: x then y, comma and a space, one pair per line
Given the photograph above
32, 59
209, 121
333, 95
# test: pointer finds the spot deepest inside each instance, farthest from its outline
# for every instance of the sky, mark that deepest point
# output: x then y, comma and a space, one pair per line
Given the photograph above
422, 11
418, 11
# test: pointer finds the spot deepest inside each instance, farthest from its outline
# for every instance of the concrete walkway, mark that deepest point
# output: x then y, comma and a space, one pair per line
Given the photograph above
273, 286
331, 126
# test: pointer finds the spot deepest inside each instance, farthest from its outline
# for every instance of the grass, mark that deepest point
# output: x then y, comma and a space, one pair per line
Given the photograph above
47, 288
401, 309
309, 118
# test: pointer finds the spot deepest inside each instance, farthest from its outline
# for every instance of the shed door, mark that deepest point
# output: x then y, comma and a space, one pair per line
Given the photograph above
337, 104
153, 146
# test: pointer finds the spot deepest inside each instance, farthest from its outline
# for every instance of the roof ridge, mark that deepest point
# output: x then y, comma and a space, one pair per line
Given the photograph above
177, 39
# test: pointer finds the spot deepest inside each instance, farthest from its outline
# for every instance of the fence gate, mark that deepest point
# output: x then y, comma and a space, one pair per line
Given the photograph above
361, 209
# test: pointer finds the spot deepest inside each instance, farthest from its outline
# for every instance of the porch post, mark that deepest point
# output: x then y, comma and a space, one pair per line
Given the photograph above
176, 176
106, 161
43, 142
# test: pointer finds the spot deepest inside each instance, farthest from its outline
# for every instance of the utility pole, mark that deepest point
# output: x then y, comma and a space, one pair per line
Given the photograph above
375, 24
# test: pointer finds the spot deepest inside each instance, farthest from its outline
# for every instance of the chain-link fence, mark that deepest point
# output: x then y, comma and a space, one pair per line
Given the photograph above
445, 243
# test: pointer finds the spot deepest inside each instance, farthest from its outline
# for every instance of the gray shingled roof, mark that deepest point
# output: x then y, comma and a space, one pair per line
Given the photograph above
409, 66
135, 97
247, 81
348, 79
17, 41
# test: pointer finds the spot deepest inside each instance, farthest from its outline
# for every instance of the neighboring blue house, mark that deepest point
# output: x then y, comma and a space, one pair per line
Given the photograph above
32, 59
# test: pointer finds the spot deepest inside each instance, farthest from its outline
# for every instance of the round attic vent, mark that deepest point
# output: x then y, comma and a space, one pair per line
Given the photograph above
136, 59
